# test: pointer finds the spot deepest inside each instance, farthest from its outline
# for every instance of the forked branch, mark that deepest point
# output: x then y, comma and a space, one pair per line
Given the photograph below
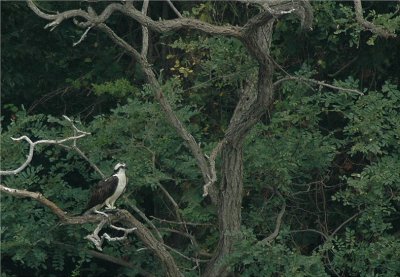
120, 216
77, 135
98, 241
130, 11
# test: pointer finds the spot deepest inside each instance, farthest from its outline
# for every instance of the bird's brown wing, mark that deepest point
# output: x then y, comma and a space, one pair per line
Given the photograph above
102, 191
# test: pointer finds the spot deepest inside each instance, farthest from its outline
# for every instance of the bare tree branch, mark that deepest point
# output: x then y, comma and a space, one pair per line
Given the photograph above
147, 220
32, 145
307, 80
376, 29
213, 174
184, 256
198, 250
165, 105
344, 223
129, 10
180, 223
98, 241
94, 237
278, 223
263, 18
82, 37
104, 257
79, 151
326, 237
145, 31
63, 216
120, 216
174, 9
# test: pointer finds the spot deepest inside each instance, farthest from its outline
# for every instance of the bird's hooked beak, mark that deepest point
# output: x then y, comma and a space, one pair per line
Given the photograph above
120, 165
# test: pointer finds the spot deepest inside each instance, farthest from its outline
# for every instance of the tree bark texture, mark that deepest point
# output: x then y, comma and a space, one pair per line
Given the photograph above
254, 102
229, 208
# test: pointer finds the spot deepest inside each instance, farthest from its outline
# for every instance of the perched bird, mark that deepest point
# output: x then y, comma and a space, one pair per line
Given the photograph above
107, 191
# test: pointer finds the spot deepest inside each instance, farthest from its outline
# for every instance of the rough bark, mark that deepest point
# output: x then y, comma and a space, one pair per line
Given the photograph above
124, 216
254, 102
157, 247
229, 207
366, 25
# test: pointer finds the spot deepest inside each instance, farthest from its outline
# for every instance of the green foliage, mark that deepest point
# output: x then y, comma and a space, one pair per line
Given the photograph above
118, 88
332, 155
376, 258
254, 259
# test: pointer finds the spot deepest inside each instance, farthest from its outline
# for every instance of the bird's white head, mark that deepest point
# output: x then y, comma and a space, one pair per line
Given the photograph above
119, 166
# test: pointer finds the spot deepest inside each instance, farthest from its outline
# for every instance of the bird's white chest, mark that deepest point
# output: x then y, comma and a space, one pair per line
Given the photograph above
120, 187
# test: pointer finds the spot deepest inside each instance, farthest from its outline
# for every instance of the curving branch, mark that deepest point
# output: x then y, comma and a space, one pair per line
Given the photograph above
376, 29
165, 105
133, 225
159, 26
78, 134
256, 99
263, 18
98, 241
278, 223
325, 236
129, 10
345, 222
62, 215
207, 169
277, 8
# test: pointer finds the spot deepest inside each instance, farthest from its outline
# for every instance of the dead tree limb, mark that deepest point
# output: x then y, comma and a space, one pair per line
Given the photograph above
258, 97
366, 25
145, 31
320, 83
122, 216
78, 134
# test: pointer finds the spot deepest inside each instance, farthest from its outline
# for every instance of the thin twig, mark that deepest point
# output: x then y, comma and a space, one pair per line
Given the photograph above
174, 9
78, 134
326, 237
147, 220
344, 223
277, 83
278, 223
184, 256
179, 223
79, 151
82, 37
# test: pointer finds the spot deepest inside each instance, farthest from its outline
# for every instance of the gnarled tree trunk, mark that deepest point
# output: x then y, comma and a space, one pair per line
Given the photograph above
229, 207
256, 98
254, 102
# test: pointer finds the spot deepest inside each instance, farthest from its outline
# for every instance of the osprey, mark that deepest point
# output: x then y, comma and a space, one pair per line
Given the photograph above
107, 191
